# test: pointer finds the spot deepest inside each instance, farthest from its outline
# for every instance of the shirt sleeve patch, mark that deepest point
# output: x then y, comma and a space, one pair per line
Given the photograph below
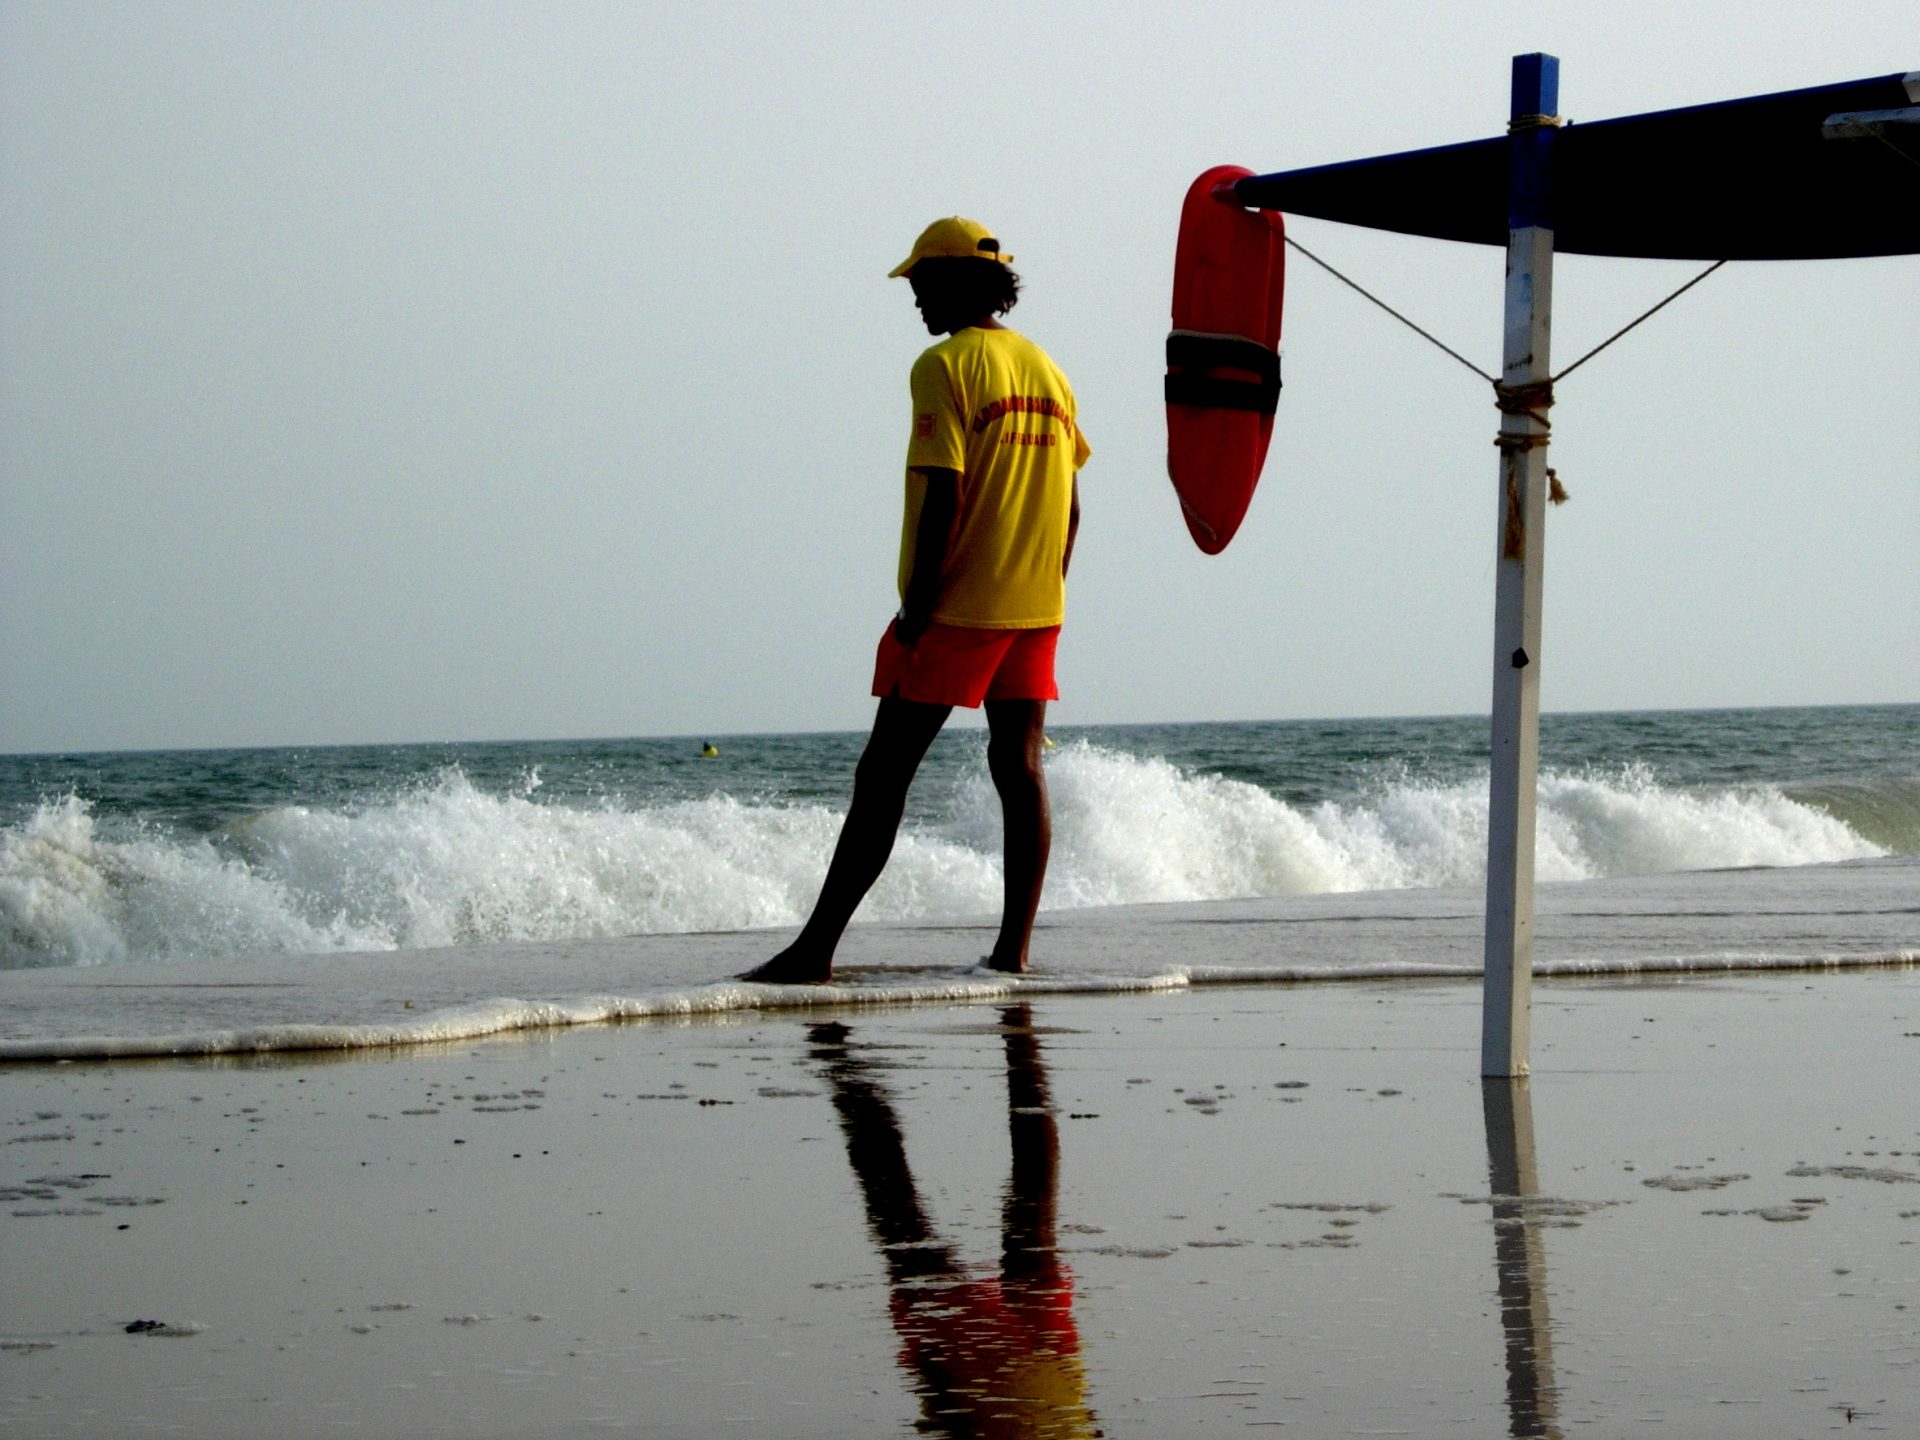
923, 425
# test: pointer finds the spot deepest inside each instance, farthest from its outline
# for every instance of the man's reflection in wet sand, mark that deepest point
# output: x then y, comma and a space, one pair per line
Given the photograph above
1520, 1260
992, 1354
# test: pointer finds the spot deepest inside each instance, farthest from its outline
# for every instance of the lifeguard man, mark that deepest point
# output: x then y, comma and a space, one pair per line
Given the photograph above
992, 508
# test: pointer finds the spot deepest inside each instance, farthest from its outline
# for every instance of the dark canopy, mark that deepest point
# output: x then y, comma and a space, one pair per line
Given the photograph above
1754, 179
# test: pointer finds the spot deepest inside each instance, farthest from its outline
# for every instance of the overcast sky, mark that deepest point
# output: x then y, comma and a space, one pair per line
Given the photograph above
481, 371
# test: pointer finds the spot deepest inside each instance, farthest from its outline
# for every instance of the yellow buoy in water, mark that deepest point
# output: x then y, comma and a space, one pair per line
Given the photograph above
709, 751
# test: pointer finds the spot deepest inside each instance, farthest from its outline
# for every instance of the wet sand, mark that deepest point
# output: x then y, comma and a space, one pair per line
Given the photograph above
1193, 1213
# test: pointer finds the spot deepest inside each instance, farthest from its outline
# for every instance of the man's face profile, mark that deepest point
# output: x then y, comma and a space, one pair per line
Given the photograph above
936, 300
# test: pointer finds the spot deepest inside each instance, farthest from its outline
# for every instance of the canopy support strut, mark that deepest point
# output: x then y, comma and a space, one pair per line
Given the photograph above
1507, 995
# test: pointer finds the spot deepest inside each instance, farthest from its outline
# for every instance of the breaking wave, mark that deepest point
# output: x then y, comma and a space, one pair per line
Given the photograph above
448, 863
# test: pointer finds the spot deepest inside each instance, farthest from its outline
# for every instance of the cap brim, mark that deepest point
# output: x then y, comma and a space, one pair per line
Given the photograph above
905, 267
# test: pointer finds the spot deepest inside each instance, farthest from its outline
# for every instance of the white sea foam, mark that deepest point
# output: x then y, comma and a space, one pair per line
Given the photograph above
447, 863
1804, 918
70, 897
506, 1015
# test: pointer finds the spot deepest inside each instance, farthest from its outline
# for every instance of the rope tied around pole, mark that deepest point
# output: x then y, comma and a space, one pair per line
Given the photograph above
1531, 400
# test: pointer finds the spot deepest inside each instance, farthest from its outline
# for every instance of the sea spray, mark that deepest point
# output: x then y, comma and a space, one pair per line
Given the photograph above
69, 896
1625, 823
446, 863
1129, 829
444, 860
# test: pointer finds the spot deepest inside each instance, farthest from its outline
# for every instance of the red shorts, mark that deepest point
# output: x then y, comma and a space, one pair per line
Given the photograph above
958, 665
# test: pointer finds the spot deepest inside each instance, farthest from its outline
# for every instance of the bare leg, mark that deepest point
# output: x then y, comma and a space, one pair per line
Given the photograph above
902, 731
1016, 735
1027, 1219
877, 1150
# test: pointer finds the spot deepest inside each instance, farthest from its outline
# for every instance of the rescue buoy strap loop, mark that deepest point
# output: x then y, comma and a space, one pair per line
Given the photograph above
1185, 387
1198, 350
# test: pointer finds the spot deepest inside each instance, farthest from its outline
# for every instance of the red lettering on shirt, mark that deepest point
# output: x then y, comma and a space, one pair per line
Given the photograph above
1021, 405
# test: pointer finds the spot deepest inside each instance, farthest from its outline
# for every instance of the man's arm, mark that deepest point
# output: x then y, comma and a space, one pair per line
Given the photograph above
937, 511
1073, 528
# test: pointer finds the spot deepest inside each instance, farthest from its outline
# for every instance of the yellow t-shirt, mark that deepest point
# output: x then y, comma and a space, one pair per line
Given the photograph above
991, 405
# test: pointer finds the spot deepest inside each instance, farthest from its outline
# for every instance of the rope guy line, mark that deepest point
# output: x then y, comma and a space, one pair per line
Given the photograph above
1492, 380
1645, 315
1425, 335
1531, 400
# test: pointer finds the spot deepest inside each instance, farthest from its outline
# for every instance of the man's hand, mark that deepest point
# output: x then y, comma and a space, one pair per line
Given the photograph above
909, 626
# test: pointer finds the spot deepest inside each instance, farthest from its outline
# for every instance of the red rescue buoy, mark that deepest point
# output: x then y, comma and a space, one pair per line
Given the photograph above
1223, 355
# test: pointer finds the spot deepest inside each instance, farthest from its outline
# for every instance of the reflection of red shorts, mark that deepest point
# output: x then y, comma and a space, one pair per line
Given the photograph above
958, 665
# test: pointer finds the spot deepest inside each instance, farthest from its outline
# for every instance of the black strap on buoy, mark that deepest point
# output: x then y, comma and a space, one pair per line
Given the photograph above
1194, 358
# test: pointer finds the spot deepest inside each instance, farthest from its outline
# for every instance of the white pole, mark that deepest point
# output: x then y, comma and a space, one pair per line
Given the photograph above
1520, 1258
1507, 996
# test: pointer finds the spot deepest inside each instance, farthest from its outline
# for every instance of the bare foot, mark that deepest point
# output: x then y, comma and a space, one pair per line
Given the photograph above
1007, 964
792, 966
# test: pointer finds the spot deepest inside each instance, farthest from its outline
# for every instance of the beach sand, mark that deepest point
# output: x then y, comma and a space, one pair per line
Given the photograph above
1188, 1213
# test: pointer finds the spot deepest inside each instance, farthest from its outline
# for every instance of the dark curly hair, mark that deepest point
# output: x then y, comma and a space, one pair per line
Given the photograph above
979, 287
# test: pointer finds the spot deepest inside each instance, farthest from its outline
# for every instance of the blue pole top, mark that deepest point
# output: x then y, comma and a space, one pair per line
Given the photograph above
1536, 104
1536, 86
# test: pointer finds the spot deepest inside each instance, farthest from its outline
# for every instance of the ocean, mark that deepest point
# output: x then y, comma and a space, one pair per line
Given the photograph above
248, 859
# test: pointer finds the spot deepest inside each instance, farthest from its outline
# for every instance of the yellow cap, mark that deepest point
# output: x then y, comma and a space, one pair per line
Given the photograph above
952, 238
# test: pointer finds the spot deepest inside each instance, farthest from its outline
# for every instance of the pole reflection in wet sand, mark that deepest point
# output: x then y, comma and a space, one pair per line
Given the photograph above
1520, 1259
991, 1354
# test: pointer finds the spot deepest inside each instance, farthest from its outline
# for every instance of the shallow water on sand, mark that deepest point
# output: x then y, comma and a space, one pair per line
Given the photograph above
1247, 1208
